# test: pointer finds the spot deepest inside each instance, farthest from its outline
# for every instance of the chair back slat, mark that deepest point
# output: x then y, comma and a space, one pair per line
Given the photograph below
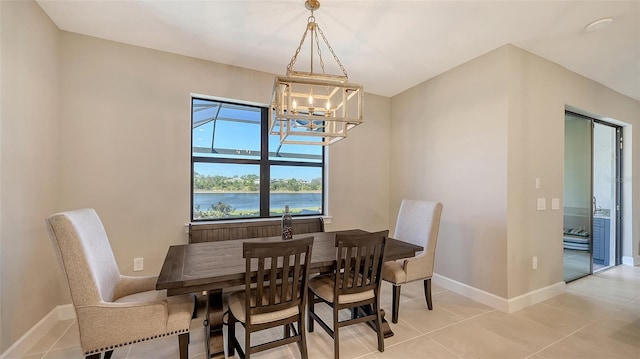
281, 270
361, 252
285, 284
259, 280
377, 257
359, 262
296, 273
273, 279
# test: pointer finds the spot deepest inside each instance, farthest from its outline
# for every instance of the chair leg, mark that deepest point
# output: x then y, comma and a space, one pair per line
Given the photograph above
379, 332
183, 343
247, 342
108, 354
427, 293
287, 330
310, 309
194, 315
396, 304
303, 337
93, 356
231, 333
336, 334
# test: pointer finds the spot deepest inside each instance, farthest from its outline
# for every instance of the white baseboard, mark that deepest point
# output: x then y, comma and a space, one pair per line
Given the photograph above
630, 261
536, 296
500, 303
66, 312
38, 331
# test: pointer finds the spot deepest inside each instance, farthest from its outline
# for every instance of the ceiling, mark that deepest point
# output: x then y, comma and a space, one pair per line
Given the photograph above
387, 46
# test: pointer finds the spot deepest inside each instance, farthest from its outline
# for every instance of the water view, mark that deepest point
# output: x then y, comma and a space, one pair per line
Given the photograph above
251, 201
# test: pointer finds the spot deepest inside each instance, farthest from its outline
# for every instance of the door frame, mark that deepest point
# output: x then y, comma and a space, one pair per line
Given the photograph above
617, 218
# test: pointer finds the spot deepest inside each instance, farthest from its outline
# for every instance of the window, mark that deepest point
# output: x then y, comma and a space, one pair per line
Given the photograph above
239, 170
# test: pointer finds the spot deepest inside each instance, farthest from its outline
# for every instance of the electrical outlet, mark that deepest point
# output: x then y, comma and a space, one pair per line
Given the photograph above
138, 264
534, 263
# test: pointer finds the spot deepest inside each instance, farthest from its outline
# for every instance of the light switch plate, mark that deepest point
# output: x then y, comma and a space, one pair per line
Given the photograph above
542, 204
555, 203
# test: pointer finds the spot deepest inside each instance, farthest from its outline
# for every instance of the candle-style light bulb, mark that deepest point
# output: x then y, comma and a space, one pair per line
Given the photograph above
328, 105
310, 101
294, 105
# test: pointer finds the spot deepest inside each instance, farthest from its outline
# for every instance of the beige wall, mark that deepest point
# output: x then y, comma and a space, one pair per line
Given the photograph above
539, 93
29, 139
94, 123
1, 187
125, 119
359, 172
449, 144
476, 138
125, 114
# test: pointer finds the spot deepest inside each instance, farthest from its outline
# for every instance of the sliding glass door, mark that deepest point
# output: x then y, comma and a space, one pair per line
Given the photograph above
592, 195
606, 194
578, 197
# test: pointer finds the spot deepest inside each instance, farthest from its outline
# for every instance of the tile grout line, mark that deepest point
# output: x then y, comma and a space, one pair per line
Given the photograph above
563, 338
447, 349
618, 306
422, 334
571, 334
58, 340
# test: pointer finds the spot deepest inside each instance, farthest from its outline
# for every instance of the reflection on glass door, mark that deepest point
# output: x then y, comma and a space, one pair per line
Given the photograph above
578, 197
606, 147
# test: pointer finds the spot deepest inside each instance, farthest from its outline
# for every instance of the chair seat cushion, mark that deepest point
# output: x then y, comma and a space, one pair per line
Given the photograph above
180, 307
394, 272
237, 307
323, 286
143, 297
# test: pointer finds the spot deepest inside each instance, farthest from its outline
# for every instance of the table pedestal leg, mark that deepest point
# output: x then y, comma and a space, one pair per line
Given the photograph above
386, 329
214, 339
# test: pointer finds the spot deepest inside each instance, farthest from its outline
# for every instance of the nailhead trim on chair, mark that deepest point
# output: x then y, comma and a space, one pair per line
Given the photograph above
112, 347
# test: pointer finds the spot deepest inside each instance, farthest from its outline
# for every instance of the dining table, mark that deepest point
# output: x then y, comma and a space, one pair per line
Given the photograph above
212, 267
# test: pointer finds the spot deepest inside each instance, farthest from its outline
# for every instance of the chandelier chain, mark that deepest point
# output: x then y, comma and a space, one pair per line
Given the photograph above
335, 57
295, 55
319, 53
315, 28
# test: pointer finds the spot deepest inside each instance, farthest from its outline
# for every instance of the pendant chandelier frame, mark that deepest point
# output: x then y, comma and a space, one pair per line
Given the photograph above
310, 108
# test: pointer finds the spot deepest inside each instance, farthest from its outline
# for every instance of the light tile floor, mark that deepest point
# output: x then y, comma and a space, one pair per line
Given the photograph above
597, 317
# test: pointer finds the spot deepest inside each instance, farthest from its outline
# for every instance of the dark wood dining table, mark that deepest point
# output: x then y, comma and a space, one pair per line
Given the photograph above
213, 266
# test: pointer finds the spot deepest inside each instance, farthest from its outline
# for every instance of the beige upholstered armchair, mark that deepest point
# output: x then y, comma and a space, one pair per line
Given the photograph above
112, 310
418, 223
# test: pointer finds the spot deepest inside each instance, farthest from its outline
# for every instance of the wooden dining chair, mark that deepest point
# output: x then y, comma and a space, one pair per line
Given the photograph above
275, 293
418, 223
354, 285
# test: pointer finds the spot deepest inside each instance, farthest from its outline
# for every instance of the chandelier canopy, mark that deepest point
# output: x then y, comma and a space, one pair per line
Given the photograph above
311, 108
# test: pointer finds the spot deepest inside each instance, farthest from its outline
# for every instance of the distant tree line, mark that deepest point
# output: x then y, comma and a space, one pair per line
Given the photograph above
251, 183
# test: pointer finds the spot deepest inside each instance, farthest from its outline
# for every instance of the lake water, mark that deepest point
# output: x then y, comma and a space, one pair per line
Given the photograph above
248, 201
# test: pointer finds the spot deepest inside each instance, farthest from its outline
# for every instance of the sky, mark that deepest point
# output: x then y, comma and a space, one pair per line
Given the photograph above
243, 137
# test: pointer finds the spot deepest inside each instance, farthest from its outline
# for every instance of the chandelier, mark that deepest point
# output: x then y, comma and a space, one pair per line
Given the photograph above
311, 108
